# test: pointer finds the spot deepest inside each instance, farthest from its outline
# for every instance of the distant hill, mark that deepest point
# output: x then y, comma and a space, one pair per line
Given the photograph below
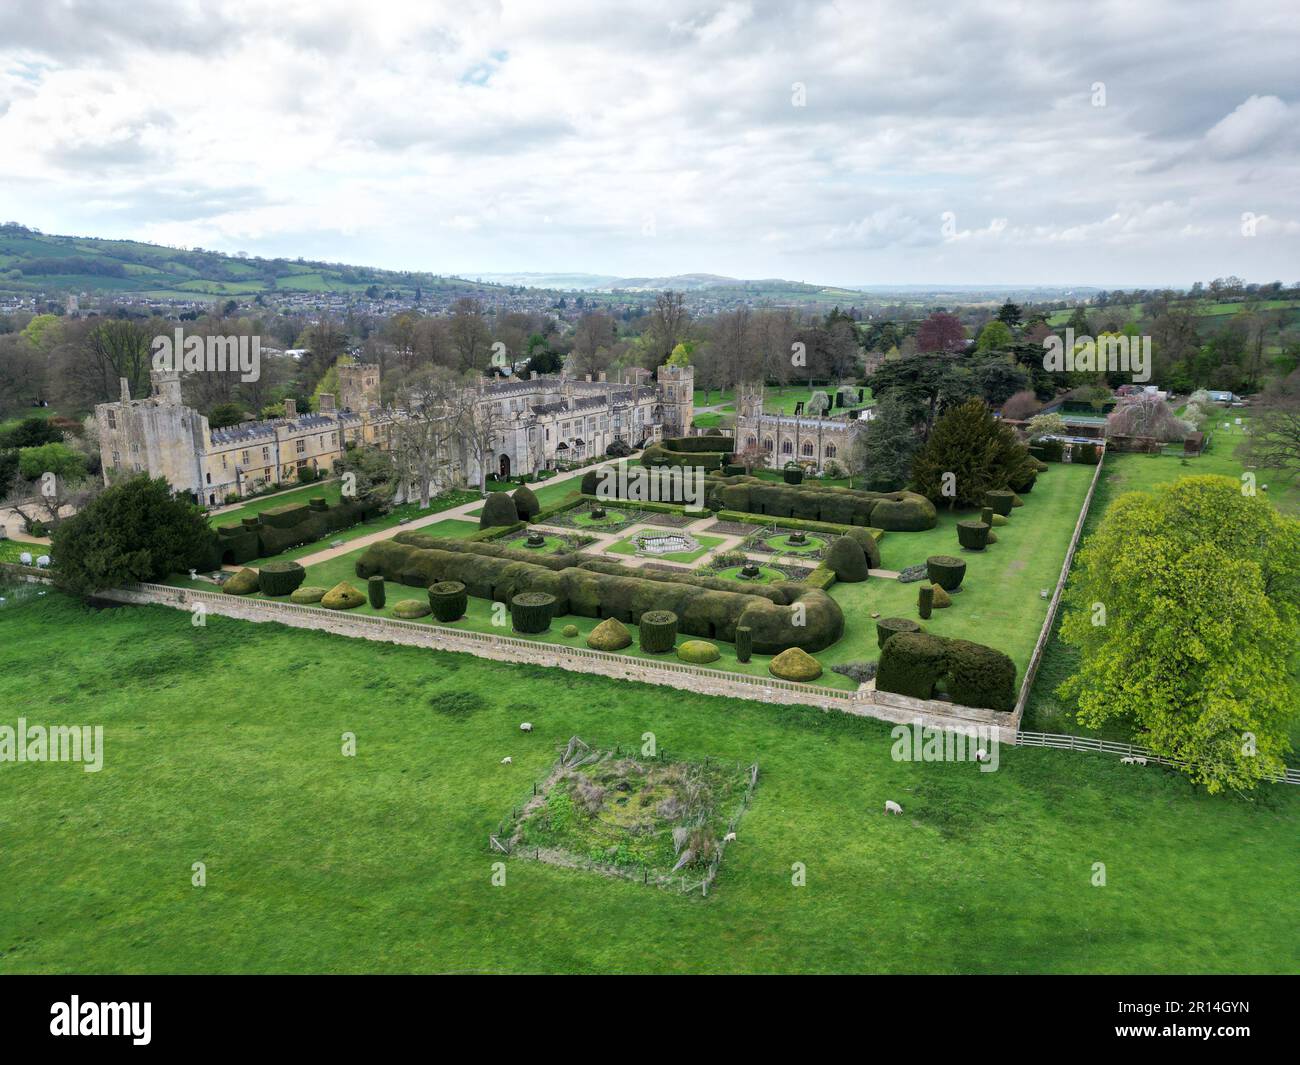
34, 262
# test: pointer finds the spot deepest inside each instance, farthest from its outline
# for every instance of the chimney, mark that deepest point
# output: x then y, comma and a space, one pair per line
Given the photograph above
126, 389
327, 402
291, 408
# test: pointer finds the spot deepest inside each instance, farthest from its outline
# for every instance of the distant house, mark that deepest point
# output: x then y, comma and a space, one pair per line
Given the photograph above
1223, 397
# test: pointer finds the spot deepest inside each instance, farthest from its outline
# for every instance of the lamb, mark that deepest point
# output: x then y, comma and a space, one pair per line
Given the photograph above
892, 807
1140, 761
527, 726
730, 837
1128, 759
507, 760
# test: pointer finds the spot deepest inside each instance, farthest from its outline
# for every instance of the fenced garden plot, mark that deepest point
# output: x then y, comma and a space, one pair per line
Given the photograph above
656, 820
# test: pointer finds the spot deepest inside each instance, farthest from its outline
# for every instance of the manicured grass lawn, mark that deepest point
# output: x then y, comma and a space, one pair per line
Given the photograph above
999, 604
330, 491
782, 401
222, 745
627, 547
766, 575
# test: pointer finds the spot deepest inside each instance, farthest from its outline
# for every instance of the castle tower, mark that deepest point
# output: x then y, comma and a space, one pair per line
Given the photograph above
677, 394
358, 386
166, 386
749, 399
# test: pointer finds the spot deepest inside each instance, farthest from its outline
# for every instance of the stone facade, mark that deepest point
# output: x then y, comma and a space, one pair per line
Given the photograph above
807, 439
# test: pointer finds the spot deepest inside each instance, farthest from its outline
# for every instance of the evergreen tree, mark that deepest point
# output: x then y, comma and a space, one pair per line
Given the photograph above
978, 451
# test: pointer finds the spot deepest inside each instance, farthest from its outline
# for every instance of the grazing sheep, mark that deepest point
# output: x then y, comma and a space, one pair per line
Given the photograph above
507, 760
730, 837
1128, 759
892, 807
527, 726
981, 755
1140, 761
42, 561
25, 558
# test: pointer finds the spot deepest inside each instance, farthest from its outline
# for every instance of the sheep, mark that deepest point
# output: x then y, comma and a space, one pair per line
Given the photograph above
981, 755
25, 558
42, 561
1140, 761
730, 837
892, 807
1128, 759
507, 760
527, 726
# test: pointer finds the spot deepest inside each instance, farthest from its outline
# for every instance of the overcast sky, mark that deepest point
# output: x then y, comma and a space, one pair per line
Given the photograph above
856, 143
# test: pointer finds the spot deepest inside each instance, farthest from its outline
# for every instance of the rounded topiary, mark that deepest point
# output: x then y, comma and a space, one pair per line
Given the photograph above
972, 535
925, 600
793, 475
410, 608
999, 519
280, 578
1001, 500
794, 663
375, 590
1016, 501
870, 545
744, 643
531, 612
306, 595
940, 598
526, 505
498, 509
342, 597
245, 582
993, 537
570, 631
610, 635
946, 571
658, 631
847, 560
886, 627
448, 600
698, 652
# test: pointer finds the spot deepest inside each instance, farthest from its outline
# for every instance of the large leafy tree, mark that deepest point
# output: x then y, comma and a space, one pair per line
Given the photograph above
923, 384
979, 451
941, 332
136, 530
1200, 588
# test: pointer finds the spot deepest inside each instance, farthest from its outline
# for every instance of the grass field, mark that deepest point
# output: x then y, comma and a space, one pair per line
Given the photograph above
222, 746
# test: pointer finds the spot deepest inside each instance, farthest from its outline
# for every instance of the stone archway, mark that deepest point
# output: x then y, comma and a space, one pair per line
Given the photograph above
503, 467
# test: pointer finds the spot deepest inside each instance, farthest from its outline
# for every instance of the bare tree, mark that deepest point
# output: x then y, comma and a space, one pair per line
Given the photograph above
424, 432
1274, 440
668, 323
482, 425
471, 339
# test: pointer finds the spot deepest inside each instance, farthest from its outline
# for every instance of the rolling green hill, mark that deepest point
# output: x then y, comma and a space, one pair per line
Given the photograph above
32, 262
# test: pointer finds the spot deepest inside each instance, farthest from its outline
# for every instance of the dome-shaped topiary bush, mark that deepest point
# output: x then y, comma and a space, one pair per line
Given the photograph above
794, 663
307, 595
342, 597
972, 535
869, 544
531, 612
610, 635
448, 600
280, 578
245, 582
498, 509
526, 505
886, 627
698, 652
658, 631
946, 571
569, 631
992, 537
847, 560
410, 609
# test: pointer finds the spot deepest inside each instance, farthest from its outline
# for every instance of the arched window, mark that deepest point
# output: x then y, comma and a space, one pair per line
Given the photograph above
787, 448
767, 445
750, 442
807, 448
830, 451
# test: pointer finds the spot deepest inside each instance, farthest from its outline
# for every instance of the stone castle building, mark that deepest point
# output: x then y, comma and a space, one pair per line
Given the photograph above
544, 422
807, 439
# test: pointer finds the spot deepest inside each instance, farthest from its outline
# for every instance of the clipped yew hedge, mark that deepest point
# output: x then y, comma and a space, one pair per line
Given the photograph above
658, 631
448, 600
946, 571
847, 560
972, 535
887, 627
280, 578
278, 529
498, 509
1000, 501
531, 612
912, 663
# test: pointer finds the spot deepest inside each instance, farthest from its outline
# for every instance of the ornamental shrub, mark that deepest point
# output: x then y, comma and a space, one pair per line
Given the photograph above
342, 597
448, 600
531, 612
975, 675
307, 595
887, 627
375, 590
498, 509
911, 663
280, 578
939, 597
1000, 501
847, 559
610, 635
658, 631
925, 601
526, 505
972, 535
410, 609
245, 582
569, 631
744, 643
698, 652
946, 571
795, 664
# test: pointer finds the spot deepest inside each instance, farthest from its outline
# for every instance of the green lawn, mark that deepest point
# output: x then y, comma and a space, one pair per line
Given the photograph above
222, 746
627, 547
331, 491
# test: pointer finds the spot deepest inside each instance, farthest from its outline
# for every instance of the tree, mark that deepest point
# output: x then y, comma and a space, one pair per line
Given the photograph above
471, 338
225, 414
373, 470
923, 384
1146, 415
993, 336
999, 380
1200, 588
1274, 440
435, 405
1010, 314
1041, 425
1021, 406
969, 454
941, 332
668, 321
592, 340
136, 530
882, 455
679, 357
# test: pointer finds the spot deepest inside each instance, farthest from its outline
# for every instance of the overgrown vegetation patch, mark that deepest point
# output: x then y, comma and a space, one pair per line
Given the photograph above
659, 821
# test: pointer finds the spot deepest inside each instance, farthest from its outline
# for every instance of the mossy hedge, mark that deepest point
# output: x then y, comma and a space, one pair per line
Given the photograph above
972, 535
278, 529
448, 600
887, 627
610, 635
658, 631
531, 612
847, 560
280, 578
245, 582
594, 588
410, 609
795, 664
307, 595
947, 571
698, 652
912, 663
498, 509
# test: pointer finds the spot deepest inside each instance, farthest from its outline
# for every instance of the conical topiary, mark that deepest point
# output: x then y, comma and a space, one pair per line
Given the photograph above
526, 505
610, 635
245, 582
940, 598
794, 663
342, 597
